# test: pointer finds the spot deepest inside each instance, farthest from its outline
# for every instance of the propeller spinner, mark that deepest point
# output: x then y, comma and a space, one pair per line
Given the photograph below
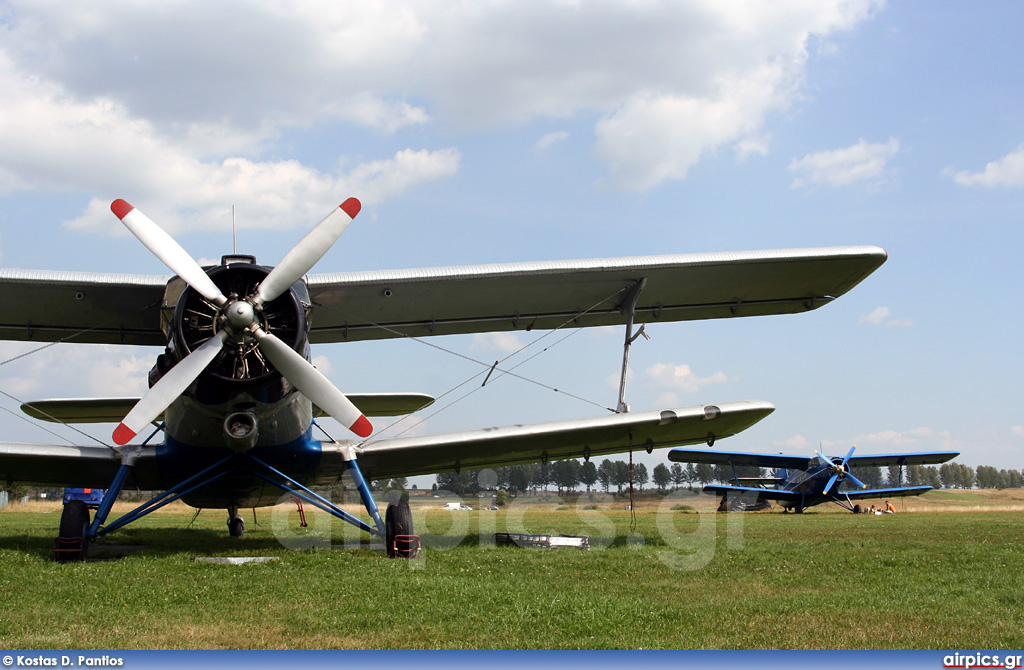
238, 321
839, 471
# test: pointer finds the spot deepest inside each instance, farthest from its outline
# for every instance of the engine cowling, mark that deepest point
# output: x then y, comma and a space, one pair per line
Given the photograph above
240, 367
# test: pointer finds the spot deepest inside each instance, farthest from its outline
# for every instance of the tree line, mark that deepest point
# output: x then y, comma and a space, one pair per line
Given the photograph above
573, 475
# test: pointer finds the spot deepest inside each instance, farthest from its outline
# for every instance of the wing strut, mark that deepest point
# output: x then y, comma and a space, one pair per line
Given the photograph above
629, 305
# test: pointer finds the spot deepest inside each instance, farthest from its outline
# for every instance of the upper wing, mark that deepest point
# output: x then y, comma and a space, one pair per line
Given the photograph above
920, 458
740, 458
521, 296
615, 433
124, 309
81, 307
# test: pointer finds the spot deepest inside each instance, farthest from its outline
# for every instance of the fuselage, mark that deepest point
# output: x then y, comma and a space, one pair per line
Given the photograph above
239, 403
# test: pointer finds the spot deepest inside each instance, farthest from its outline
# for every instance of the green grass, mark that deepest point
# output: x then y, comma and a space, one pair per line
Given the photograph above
682, 580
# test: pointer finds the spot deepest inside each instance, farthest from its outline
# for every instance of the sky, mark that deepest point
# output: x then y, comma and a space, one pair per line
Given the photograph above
499, 131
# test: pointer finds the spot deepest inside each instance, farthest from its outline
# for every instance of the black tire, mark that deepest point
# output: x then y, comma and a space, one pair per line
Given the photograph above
857, 509
74, 524
397, 521
236, 526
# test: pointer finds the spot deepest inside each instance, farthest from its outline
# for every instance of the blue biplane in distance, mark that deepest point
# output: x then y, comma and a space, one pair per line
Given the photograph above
801, 481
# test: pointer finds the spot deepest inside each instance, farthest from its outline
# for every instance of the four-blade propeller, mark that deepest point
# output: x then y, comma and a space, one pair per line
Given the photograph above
840, 471
238, 320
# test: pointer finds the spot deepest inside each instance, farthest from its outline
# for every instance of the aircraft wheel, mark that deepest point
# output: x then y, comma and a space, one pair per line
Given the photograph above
236, 526
857, 509
74, 523
397, 521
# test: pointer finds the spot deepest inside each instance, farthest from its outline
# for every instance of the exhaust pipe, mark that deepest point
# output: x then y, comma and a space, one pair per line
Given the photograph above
240, 431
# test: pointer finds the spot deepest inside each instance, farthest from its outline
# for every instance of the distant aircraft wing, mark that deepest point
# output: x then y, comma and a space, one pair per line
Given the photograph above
86, 307
740, 458
921, 458
523, 296
615, 433
858, 494
767, 494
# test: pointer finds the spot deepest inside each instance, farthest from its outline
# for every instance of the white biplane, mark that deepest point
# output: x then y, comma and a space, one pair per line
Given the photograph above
235, 396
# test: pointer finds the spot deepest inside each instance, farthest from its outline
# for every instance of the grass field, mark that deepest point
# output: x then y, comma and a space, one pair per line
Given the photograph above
683, 579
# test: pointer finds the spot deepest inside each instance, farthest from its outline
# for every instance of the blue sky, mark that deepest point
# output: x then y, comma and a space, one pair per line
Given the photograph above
516, 131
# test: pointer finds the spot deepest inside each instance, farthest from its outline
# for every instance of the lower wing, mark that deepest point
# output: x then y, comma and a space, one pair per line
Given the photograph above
494, 447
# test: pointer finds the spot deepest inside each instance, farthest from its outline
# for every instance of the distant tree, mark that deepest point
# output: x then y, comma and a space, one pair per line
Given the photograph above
869, 475
662, 476
588, 474
678, 475
691, 475
606, 474
521, 479
640, 475
705, 473
932, 477
566, 474
895, 476
621, 477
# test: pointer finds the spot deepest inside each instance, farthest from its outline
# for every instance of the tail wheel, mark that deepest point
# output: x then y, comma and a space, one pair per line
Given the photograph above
399, 535
71, 545
236, 526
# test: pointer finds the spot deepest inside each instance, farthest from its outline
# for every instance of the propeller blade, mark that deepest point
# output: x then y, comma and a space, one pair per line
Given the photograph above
311, 383
848, 454
167, 250
170, 386
307, 252
831, 481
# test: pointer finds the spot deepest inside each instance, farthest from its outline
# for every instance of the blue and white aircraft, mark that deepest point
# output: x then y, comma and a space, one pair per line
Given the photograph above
802, 481
233, 398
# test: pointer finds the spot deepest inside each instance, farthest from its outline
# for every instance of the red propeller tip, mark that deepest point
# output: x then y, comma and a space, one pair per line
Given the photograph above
123, 434
120, 208
362, 427
351, 207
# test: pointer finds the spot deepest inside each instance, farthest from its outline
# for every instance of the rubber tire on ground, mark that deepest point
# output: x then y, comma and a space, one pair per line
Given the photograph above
236, 526
397, 521
74, 523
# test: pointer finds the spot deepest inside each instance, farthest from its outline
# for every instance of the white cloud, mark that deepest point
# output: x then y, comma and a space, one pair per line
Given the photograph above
1018, 430
880, 315
97, 98
503, 342
795, 442
85, 370
680, 378
281, 194
877, 316
916, 439
1007, 171
862, 162
550, 139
